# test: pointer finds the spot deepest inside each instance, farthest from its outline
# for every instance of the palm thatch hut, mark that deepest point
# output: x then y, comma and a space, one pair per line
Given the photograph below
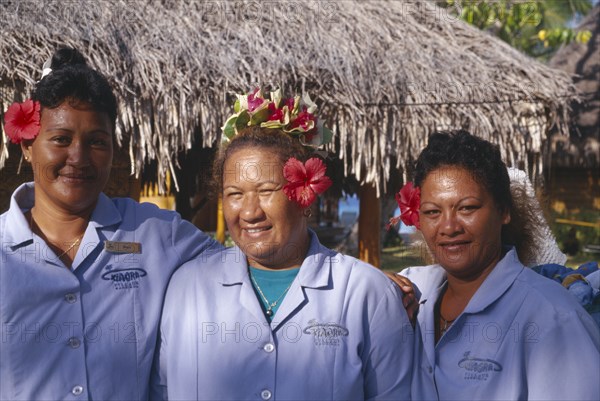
575, 167
386, 74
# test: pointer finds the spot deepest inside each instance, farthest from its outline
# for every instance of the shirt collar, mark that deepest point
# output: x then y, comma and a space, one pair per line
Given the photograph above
314, 271
496, 283
105, 214
499, 280
17, 226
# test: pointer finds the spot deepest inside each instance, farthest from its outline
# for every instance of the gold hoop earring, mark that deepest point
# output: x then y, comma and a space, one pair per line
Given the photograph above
307, 213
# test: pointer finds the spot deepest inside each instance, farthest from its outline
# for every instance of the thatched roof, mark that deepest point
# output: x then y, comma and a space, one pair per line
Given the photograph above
582, 147
386, 73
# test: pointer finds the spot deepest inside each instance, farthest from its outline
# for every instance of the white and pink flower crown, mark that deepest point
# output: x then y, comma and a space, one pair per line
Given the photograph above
296, 117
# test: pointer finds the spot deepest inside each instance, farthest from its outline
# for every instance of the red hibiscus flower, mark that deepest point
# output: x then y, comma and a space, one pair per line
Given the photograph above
253, 101
22, 121
303, 121
409, 202
305, 181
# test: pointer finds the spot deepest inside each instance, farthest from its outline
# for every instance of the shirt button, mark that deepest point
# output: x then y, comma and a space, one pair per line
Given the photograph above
77, 390
74, 343
265, 395
71, 298
269, 347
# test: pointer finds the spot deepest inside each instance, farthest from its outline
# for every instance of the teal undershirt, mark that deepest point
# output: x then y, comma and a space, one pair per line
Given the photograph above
273, 284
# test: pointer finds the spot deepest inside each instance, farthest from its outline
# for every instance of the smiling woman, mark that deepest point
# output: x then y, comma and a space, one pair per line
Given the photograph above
258, 213
71, 157
82, 276
279, 315
488, 328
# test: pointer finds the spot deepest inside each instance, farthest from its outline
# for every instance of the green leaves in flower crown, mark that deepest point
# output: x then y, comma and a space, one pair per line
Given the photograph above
295, 116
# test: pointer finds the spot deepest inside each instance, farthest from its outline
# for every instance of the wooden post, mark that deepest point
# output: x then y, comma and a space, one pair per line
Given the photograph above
220, 235
369, 222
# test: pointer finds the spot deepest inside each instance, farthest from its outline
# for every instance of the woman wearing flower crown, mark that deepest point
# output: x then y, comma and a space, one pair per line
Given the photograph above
82, 276
488, 328
279, 316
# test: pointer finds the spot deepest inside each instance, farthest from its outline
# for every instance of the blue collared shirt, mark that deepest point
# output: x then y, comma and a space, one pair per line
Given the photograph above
521, 337
88, 332
341, 333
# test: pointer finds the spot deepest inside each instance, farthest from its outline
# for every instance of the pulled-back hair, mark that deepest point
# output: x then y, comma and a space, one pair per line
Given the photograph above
73, 80
275, 140
479, 157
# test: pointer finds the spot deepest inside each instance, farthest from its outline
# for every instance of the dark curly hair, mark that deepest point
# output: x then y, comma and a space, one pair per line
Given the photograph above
478, 156
72, 79
273, 139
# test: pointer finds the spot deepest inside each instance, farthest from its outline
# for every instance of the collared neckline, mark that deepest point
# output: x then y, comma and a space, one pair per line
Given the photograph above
105, 213
23, 199
17, 225
496, 283
314, 271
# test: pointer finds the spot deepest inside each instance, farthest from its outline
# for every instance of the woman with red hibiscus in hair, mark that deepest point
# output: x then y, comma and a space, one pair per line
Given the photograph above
82, 276
489, 328
279, 316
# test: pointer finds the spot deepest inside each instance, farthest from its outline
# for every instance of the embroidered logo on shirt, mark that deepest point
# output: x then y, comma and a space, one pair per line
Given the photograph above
326, 334
478, 368
125, 279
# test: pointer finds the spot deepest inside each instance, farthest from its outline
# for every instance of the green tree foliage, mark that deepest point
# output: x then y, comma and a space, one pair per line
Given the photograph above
536, 27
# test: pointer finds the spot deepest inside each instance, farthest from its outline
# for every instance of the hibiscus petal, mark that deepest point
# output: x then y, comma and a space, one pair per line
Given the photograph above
315, 169
290, 190
321, 185
294, 171
409, 202
30, 132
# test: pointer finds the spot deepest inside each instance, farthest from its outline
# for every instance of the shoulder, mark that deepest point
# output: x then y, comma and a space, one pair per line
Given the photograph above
128, 206
545, 290
202, 279
424, 277
210, 263
135, 215
544, 300
358, 273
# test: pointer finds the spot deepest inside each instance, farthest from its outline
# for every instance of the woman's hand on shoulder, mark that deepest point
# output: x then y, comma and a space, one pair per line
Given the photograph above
409, 298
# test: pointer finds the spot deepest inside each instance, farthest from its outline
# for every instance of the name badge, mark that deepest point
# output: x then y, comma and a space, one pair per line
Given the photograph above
122, 247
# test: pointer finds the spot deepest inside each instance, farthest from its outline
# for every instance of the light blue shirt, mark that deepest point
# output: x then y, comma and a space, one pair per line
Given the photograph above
88, 332
521, 337
341, 333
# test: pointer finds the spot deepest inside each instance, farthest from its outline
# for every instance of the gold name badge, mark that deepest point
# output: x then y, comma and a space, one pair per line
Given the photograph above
122, 247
